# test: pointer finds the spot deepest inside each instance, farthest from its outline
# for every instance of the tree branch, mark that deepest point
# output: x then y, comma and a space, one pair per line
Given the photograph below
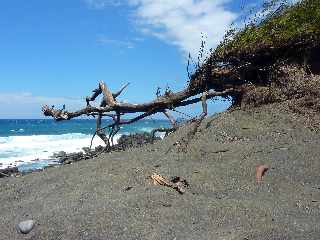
107, 95
110, 107
117, 94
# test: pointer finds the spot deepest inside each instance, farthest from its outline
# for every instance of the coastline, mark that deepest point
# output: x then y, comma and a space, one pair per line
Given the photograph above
60, 158
35, 146
111, 197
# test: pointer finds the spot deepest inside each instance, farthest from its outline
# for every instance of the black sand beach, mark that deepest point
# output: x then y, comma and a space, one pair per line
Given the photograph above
110, 197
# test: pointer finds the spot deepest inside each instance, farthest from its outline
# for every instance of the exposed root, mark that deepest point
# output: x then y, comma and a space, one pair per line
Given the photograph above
183, 144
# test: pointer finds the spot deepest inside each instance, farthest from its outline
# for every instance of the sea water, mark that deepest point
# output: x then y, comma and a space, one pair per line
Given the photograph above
30, 144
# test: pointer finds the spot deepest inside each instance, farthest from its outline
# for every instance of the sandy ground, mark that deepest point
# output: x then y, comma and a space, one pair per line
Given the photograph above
92, 199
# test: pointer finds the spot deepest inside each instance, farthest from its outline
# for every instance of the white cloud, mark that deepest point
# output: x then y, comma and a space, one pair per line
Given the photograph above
101, 4
105, 40
26, 105
178, 22
181, 22
29, 98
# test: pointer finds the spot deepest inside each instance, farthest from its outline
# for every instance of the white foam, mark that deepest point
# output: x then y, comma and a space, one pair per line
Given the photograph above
16, 150
160, 134
146, 129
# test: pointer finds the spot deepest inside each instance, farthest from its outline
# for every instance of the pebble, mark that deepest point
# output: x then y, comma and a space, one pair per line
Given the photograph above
26, 226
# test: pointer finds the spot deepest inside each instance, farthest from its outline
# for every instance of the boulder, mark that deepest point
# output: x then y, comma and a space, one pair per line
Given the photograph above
8, 171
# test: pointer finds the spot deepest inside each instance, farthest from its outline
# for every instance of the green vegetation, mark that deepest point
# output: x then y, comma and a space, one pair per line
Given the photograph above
286, 26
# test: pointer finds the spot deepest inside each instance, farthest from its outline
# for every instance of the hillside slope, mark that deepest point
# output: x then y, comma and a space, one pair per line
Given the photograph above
111, 198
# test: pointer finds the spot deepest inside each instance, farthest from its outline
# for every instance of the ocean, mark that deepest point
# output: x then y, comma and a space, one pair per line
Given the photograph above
30, 143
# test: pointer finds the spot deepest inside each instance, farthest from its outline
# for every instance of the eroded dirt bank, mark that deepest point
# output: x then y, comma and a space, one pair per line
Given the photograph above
110, 197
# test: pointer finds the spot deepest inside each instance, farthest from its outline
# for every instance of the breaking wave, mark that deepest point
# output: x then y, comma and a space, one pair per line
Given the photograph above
18, 150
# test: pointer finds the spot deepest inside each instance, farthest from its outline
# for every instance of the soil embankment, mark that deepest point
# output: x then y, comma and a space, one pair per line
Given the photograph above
110, 197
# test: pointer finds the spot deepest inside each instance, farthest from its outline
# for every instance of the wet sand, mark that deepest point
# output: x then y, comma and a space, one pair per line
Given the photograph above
110, 197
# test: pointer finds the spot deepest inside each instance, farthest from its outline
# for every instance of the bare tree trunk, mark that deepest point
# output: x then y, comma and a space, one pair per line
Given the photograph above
112, 108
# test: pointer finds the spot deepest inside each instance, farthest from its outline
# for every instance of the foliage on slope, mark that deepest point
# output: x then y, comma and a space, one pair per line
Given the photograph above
289, 26
270, 60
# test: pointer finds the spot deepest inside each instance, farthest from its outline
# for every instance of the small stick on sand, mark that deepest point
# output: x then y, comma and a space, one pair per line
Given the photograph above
177, 183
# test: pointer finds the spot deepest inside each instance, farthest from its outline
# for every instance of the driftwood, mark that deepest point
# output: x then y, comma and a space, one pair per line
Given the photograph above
203, 82
109, 104
177, 183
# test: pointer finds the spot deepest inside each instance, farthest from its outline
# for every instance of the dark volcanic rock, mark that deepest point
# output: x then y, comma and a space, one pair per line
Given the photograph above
134, 140
124, 142
73, 157
86, 150
8, 171
99, 149
60, 154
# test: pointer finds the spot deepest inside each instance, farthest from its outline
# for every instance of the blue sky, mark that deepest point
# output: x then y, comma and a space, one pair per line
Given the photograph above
56, 51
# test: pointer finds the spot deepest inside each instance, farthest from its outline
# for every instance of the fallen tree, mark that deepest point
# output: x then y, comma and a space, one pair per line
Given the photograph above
110, 107
249, 59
